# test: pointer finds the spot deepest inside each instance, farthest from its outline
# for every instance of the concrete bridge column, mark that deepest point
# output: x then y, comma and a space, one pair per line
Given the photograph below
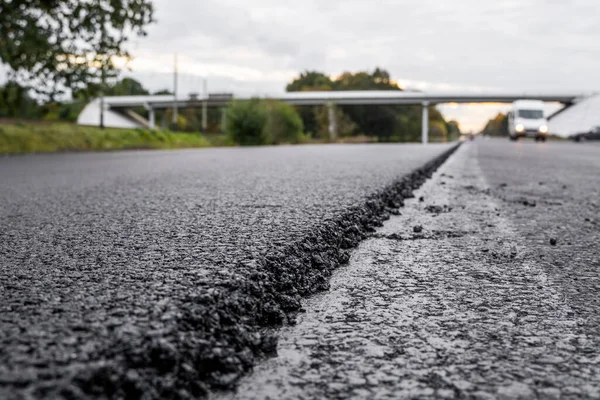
224, 119
151, 118
332, 120
425, 123
204, 116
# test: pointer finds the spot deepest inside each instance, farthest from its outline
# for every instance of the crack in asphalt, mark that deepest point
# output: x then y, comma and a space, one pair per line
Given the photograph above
158, 274
478, 315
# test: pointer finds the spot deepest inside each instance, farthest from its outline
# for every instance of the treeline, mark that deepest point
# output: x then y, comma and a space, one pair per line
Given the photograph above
17, 103
258, 122
497, 126
387, 123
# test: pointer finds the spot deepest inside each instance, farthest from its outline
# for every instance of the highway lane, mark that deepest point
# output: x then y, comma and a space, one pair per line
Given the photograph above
149, 273
487, 287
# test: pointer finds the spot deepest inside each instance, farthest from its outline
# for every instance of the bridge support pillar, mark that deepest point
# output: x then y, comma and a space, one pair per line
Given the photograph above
224, 119
332, 120
204, 116
425, 123
151, 118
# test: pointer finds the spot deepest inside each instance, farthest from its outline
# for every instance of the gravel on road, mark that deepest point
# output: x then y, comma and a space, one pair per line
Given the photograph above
155, 274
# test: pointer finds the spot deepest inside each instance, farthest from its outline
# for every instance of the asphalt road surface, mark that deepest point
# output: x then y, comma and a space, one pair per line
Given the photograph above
486, 287
153, 274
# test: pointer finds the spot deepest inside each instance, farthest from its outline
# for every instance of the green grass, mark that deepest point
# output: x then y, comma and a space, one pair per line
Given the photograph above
18, 138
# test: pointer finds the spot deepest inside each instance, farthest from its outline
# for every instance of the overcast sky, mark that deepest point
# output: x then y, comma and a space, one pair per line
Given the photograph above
258, 46
468, 45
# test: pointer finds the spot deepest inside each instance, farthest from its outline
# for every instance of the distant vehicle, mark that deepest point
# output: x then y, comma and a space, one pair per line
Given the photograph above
592, 134
526, 118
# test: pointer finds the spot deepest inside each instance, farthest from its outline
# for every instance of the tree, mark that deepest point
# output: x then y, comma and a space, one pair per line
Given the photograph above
129, 87
497, 126
438, 132
453, 129
15, 102
310, 81
246, 121
284, 125
344, 125
378, 80
124, 87
50, 45
386, 122
380, 121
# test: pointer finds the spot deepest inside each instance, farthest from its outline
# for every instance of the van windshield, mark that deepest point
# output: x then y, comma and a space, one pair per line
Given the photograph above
531, 114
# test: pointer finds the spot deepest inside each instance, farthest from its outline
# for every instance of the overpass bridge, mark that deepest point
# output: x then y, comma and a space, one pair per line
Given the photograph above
116, 110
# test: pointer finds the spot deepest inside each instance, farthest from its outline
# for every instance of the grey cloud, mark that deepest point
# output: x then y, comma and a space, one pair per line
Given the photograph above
515, 45
534, 45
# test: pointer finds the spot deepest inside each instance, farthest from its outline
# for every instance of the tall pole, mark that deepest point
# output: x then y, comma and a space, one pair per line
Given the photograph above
102, 81
224, 119
174, 121
332, 120
102, 103
425, 123
204, 105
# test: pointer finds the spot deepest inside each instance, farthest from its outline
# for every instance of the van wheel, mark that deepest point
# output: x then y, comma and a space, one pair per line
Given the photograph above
513, 138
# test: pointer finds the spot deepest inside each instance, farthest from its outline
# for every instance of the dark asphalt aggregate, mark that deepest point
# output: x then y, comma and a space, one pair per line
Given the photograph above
551, 192
155, 274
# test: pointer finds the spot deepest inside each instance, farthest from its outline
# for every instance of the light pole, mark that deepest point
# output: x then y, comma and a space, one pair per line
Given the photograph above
102, 81
204, 105
174, 120
425, 123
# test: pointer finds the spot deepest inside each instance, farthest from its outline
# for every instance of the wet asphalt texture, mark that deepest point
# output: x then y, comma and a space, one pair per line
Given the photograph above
486, 287
160, 274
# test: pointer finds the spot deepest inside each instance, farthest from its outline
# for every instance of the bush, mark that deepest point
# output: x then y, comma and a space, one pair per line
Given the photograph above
284, 125
246, 122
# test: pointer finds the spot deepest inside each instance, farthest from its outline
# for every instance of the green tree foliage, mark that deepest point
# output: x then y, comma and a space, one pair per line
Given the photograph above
310, 81
380, 121
386, 122
123, 87
377, 80
182, 121
65, 111
246, 122
438, 131
284, 125
453, 130
345, 126
15, 102
256, 122
497, 126
55, 44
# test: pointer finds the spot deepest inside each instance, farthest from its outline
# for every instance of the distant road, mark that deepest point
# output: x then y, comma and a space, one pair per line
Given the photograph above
149, 272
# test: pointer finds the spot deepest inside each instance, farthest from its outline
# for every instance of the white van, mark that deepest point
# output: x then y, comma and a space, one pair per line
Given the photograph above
526, 118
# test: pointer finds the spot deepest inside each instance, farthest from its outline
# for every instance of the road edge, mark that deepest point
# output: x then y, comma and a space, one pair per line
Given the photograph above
221, 333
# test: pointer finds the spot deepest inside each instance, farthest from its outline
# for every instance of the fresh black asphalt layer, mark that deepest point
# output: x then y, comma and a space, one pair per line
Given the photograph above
155, 274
